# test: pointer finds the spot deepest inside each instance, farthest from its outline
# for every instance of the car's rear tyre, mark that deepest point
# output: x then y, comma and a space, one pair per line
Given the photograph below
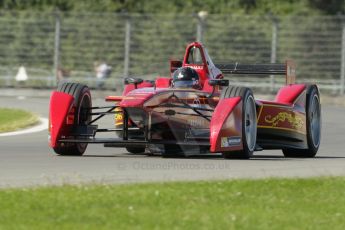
82, 115
249, 121
131, 135
135, 150
313, 119
172, 151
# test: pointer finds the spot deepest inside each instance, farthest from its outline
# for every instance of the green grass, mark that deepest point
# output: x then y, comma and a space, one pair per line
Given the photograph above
14, 119
239, 204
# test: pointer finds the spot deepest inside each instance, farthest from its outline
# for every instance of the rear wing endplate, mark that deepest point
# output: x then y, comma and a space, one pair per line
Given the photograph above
288, 69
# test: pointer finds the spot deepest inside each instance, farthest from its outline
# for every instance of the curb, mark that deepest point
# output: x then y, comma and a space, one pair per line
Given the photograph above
43, 125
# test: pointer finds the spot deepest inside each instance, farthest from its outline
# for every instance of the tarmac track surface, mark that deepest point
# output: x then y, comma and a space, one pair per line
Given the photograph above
26, 160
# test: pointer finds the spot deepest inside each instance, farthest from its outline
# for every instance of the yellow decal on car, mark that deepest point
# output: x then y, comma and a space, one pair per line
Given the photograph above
118, 116
296, 122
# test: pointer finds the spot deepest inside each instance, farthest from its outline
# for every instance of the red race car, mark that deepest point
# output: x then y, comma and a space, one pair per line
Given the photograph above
194, 111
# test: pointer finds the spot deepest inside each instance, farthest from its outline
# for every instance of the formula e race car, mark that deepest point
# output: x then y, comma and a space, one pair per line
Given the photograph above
194, 111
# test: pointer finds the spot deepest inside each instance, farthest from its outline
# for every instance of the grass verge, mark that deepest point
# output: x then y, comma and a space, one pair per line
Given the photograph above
317, 203
14, 119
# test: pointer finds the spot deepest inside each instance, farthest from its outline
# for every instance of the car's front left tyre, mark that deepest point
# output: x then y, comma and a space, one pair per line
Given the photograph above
82, 115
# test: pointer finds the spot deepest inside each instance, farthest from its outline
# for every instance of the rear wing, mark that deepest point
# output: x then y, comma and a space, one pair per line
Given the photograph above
288, 69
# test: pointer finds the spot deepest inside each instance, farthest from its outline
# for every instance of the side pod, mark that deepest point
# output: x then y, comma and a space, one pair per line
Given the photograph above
289, 93
60, 105
226, 123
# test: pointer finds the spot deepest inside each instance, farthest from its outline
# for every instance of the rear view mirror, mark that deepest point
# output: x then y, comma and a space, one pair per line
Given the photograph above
219, 82
133, 80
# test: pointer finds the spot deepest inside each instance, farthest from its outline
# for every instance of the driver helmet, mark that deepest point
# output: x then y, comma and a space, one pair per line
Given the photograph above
186, 77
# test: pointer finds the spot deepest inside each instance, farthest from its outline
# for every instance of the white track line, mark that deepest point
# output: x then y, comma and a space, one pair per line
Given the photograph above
43, 125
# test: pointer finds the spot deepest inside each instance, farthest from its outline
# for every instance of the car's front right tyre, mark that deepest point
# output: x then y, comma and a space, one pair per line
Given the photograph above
249, 121
313, 126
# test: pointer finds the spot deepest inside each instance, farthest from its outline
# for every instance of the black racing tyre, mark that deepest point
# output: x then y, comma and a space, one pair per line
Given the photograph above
172, 151
313, 119
82, 115
139, 135
249, 121
136, 150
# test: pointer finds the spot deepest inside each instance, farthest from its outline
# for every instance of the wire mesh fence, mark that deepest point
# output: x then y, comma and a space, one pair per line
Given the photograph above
71, 44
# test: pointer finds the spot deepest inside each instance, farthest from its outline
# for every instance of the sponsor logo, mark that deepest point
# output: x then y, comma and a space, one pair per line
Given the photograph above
196, 67
197, 123
230, 141
118, 116
295, 122
197, 103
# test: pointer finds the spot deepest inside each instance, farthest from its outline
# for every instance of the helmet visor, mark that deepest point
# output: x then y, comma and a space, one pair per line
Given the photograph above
184, 84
